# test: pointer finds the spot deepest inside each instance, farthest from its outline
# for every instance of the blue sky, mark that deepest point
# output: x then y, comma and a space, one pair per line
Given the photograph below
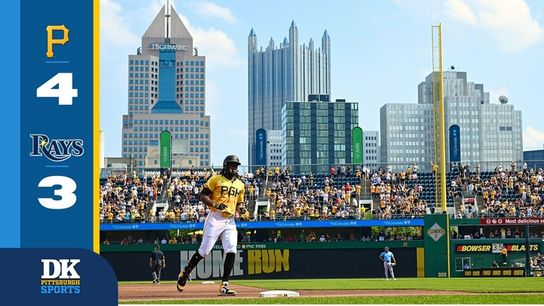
381, 51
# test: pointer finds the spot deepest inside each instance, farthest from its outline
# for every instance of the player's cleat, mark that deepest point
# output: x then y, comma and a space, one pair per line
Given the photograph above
224, 289
182, 280
154, 281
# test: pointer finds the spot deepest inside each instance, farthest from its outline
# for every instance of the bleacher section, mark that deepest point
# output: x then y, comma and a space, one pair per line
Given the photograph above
174, 197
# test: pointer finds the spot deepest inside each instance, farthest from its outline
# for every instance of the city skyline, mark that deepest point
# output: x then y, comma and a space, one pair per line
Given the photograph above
277, 74
380, 59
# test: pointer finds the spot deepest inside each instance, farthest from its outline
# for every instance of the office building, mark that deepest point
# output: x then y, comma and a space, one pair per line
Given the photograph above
273, 148
166, 92
488, 134
317, 135
371, 149
279, 74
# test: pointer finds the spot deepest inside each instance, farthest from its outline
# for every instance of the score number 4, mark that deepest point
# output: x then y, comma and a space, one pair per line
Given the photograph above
64, 92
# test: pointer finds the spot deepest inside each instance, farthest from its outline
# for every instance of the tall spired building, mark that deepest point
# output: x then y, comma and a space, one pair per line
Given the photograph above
167, 92
285, 73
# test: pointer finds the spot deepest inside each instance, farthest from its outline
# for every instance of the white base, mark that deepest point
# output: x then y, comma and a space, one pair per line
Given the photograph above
208, 282
279, 293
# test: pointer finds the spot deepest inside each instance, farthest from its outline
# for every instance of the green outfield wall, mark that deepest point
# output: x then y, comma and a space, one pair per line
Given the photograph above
351, 259
437, 255
480, 253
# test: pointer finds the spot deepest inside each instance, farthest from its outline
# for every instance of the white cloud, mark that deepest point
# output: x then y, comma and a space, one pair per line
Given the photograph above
458, 10
510, 23
211, 10
113, 27
217, 46
533, 138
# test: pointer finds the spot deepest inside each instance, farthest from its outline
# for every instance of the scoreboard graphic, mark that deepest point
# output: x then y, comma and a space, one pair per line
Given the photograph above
50, 228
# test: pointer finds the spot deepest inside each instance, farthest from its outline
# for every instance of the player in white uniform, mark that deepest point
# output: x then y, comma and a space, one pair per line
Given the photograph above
388, 262
223, 193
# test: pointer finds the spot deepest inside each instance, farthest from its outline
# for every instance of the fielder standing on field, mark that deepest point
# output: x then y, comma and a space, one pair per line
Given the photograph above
388, 262
223, 193
157, 262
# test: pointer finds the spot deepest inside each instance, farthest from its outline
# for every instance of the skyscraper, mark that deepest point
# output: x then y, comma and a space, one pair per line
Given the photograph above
371, 149
318, 134
489, 133
280, 74
166, 92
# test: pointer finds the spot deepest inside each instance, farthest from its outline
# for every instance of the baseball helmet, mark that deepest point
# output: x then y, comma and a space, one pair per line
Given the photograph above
231, 159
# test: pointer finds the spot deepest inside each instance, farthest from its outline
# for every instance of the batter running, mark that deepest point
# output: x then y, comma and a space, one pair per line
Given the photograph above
223, 193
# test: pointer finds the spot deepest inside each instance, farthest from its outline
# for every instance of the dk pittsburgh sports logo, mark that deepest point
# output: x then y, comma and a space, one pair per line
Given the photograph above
56, 150
60, 276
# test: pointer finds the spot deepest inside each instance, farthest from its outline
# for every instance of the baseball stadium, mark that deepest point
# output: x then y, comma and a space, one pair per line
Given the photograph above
320, 236
317, 223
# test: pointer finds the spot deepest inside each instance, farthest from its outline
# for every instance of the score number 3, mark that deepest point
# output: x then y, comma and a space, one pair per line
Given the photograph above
66, 192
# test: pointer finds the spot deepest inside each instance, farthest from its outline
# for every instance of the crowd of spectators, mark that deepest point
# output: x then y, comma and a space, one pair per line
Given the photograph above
505, 192
127, 198
399, 193
300, 197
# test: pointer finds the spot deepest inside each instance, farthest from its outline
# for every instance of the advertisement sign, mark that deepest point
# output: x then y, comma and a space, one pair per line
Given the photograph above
166, 149
256, 262
260, 151
455, 143
497, 272
357, 145
495, 248
511, 221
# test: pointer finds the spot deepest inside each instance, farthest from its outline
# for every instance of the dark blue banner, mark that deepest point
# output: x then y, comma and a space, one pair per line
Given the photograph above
57, 132
56, 277
262, 224
260, 147
455, 143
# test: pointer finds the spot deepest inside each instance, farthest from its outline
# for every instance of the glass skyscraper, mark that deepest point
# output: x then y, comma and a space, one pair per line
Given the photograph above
166, 92
277, 75
317, 134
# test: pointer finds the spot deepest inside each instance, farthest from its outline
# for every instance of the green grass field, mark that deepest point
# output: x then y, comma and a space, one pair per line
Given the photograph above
493, 291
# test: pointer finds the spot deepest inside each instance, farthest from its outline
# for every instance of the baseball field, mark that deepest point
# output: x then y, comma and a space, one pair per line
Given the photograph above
524, 290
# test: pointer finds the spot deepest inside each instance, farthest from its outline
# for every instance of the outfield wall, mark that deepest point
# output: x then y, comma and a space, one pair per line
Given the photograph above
435, 256
272, 261
480, 253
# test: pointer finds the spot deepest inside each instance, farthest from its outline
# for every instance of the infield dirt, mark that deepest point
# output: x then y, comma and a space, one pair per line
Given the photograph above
168, 291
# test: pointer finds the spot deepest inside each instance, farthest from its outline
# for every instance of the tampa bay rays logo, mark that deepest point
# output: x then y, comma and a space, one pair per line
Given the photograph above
55, 150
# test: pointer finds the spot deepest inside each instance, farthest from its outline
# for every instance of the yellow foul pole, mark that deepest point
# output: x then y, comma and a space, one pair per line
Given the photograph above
439, 121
